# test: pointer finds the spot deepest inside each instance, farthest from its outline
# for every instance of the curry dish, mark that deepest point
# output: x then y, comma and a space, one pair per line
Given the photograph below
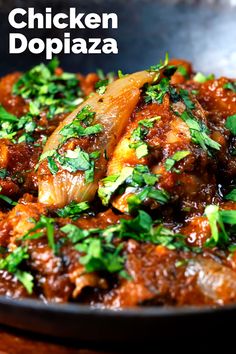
118, 190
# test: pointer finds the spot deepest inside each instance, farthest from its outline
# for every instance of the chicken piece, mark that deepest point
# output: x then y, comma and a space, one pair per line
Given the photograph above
113, 110
156, 278
13, 104
168, 135
183, 72
18, 221
160, 275
220, 103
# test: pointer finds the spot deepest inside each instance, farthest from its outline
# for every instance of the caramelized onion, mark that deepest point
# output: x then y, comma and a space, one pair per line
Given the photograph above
113, 110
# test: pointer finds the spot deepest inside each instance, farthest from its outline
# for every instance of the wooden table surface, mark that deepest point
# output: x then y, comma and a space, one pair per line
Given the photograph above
12, 342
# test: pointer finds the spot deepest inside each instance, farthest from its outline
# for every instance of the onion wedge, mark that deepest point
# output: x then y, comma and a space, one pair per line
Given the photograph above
113, 110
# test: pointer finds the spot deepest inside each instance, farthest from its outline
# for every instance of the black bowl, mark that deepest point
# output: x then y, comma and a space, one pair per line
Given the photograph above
164, 327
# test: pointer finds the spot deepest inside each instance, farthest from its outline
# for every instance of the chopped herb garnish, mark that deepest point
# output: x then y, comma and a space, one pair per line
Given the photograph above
199, 132
201, 78
43, 223
231, 195
217, 218
111, 183
101, 86
156, 93
7, 200
147, 192
12, 264
230, 86
120, 74
138, 136
10, 126
6, 116
179, 155
75, 129
3, 173
73, 210
52, 165
52, 93
184, 94
182, 71
72, 161
231, 124
161, 65
100, 253
78, 159
140, 183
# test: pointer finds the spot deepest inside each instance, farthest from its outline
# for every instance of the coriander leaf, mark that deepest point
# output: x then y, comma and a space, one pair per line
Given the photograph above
86, 114
135, 201
47, 91
142, 229
120, 74
12, 263
73, 210
231, 195
52, 165
43, 223
142, 223
230, 86
231, 124
139, 134
74, 233
7, 200
141, 150
74, 160
216, 223
3, 173
201, 78
6, 116
182, 71
156, 93
99, 253
53, 64
161, 65
184, 94
179, 155
110, 184
101, 86
199, 131
228, 216
26, 279
149, 122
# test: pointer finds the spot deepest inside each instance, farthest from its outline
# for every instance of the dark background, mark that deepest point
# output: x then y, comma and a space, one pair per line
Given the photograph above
201, 31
